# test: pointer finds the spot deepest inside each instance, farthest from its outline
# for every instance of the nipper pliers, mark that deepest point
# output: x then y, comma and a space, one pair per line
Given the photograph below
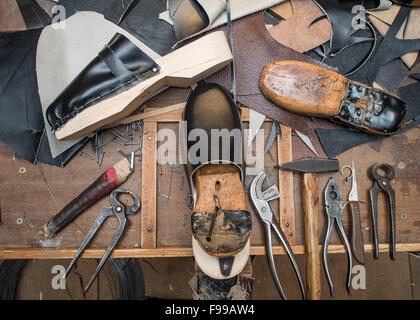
118, 210
382, 183
260, 199
334, 209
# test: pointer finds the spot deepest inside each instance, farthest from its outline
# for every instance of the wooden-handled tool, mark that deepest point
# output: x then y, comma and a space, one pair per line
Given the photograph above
310, 167
180, 68
102, 186
356, 230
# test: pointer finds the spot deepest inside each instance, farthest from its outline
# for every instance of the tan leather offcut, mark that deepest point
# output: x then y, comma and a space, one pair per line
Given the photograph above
304, 88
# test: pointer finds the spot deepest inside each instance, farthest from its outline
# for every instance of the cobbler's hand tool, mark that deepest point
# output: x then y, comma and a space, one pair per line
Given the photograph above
118, 210
310, 167
307, 142
107, 182
356, 230
275, 131
334, 209
260, 201
383, 184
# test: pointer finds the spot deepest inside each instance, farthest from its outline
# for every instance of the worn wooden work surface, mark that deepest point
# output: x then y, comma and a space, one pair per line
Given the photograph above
27, 193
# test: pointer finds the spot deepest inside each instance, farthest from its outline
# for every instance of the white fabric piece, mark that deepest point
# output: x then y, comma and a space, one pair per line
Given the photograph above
64, 49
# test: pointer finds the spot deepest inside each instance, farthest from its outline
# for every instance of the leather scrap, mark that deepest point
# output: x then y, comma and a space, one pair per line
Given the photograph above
33, 15
10, 17
390, 47
216, 13
283, 9
250, 34
153, 32
297, 32
341, 16
386, 16
22, 123
411, 31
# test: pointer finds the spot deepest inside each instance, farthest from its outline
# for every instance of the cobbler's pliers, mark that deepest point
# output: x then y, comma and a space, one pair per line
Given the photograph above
260, 201
383, 184
118, 210
334, 208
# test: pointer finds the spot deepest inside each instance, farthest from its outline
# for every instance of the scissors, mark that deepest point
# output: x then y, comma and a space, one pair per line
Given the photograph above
260, 201
118, 210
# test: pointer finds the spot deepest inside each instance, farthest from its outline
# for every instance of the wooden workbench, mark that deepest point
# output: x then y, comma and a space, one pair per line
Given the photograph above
163, 229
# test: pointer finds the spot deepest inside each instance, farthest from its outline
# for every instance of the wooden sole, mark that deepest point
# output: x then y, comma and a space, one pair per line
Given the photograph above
221, 223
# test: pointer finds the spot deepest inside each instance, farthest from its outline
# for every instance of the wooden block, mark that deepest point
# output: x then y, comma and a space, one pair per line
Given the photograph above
287, 203
180, 68
148, 188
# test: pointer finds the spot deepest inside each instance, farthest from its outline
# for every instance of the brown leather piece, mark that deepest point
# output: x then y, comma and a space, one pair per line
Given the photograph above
304, 88
297, 33
10, 17
251, 36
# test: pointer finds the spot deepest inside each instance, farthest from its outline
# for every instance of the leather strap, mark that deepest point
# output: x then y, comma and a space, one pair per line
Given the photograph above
232, 65
114, 63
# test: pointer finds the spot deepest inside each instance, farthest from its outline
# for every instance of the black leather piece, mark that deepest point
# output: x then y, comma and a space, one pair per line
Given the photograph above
389, 75
210, 106
390, 47
119, 66
335, 142
142, 21
22, 123
384, 115
341, 17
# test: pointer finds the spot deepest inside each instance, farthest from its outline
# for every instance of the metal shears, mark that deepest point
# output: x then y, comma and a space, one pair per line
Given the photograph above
382, 183
260, 199
334, 209
118, 210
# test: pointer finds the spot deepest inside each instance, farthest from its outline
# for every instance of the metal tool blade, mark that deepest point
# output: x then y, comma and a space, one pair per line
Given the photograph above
272, 137
311, 165
256, 120
307, 142
353, 195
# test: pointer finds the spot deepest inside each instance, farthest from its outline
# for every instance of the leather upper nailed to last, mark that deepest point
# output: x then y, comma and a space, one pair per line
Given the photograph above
221, 223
